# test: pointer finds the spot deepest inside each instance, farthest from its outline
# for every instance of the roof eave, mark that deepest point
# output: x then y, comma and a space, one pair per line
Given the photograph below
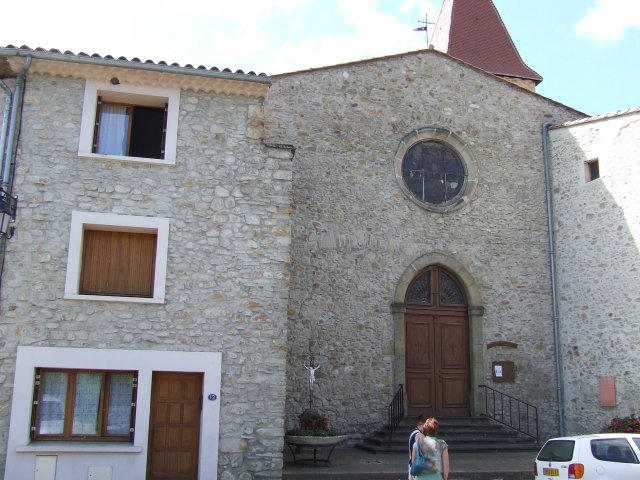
132, 64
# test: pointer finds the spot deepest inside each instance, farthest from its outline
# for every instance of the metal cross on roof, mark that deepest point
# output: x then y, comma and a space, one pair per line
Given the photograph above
425, 27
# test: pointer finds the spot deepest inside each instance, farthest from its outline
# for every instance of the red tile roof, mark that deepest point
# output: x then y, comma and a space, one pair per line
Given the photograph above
472, 31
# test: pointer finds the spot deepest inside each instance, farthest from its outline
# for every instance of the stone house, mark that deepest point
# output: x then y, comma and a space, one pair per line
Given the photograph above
164, 287
143, 276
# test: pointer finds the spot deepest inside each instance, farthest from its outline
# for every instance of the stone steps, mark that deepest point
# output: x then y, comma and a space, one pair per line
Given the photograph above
462, 434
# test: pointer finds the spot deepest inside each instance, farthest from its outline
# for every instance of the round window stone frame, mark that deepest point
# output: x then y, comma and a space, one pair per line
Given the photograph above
451, 140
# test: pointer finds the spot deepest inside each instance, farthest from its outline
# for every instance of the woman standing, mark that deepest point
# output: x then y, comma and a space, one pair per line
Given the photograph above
412, 440
434, 450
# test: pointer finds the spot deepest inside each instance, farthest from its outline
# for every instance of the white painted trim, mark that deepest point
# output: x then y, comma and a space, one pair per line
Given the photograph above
127, 460
77, 447
110, 221
134, 94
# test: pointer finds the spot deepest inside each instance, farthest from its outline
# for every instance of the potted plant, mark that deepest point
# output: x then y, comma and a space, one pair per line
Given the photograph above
629, 424
314, 429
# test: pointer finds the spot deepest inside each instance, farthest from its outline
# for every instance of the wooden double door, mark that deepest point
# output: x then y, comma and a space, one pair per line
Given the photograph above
437, 346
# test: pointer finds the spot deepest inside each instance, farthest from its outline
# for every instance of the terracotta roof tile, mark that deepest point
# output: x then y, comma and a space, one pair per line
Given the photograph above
472, 31
55, 51
604, 116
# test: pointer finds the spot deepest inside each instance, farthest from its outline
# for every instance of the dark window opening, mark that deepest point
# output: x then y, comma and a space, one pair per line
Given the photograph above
130, 130
593, 170
433, 172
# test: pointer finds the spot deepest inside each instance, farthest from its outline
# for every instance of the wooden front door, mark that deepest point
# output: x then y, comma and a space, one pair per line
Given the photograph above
437, 345
174, 429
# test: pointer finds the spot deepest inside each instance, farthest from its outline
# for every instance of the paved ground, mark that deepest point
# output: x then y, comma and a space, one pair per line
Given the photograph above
351, 463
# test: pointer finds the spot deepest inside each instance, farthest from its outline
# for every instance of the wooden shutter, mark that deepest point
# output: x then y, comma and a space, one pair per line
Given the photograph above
96, 125
118, 263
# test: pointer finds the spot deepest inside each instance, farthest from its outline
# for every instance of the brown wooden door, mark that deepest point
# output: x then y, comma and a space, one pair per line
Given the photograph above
437, 363
437, 346
174, 430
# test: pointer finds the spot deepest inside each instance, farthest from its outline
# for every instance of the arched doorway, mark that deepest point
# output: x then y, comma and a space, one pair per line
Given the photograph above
437, 344
439, 354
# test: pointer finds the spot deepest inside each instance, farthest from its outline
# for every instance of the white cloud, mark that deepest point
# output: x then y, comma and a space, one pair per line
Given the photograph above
609, 19
264, 36
371, 32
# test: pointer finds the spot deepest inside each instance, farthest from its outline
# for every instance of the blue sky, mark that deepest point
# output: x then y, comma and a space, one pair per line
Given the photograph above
588, 51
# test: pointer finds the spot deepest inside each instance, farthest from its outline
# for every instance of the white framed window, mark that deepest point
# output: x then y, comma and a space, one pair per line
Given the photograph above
80, 404
126, 454
117, 258
129, 123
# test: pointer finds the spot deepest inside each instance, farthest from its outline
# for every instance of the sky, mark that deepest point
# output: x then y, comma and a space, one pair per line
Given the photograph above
587, 51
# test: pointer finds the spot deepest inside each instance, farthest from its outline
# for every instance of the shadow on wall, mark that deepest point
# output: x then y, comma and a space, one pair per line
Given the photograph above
597, 237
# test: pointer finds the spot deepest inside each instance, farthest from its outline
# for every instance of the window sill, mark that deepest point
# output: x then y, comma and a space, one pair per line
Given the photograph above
120, 158
78, 447
109, 298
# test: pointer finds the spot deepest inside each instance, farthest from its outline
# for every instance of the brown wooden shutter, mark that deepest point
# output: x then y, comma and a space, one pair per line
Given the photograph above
35, 404
96, 126
118, 263
164, 131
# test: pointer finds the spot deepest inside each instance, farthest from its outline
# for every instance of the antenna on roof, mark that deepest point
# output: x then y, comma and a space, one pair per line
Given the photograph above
425, 27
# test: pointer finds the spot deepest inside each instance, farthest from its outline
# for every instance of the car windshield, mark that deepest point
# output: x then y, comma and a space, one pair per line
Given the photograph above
613, 450
557, 451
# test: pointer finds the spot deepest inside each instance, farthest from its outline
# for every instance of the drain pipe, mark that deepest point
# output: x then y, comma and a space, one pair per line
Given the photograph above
552, 262
5, 122
9, 136
9, 145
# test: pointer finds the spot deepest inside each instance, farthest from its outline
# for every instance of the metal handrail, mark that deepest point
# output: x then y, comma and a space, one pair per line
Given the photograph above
395, 411
518, 414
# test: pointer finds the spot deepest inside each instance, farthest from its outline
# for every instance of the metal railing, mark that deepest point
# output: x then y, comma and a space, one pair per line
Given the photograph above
395, 411
511, 412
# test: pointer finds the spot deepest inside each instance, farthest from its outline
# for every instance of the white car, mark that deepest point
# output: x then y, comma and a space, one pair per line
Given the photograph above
604, 456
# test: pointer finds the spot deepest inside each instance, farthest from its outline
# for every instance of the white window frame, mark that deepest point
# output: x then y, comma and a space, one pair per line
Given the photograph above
74, 459
121, 223
135, 95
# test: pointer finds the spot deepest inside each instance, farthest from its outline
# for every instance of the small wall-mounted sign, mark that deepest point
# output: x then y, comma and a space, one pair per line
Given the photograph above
608, 392
212, 397
503, 371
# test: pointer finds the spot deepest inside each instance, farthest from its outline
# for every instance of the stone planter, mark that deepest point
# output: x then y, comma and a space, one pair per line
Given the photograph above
297, 442
311, 441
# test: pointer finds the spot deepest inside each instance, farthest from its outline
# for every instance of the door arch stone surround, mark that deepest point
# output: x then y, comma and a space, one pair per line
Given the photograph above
475, 313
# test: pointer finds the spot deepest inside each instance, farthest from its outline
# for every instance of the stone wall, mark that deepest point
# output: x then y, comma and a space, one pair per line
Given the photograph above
228, 199
355, 233
597, 237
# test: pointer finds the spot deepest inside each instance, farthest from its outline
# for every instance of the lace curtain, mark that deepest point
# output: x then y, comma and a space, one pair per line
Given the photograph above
52, 403
113, 128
